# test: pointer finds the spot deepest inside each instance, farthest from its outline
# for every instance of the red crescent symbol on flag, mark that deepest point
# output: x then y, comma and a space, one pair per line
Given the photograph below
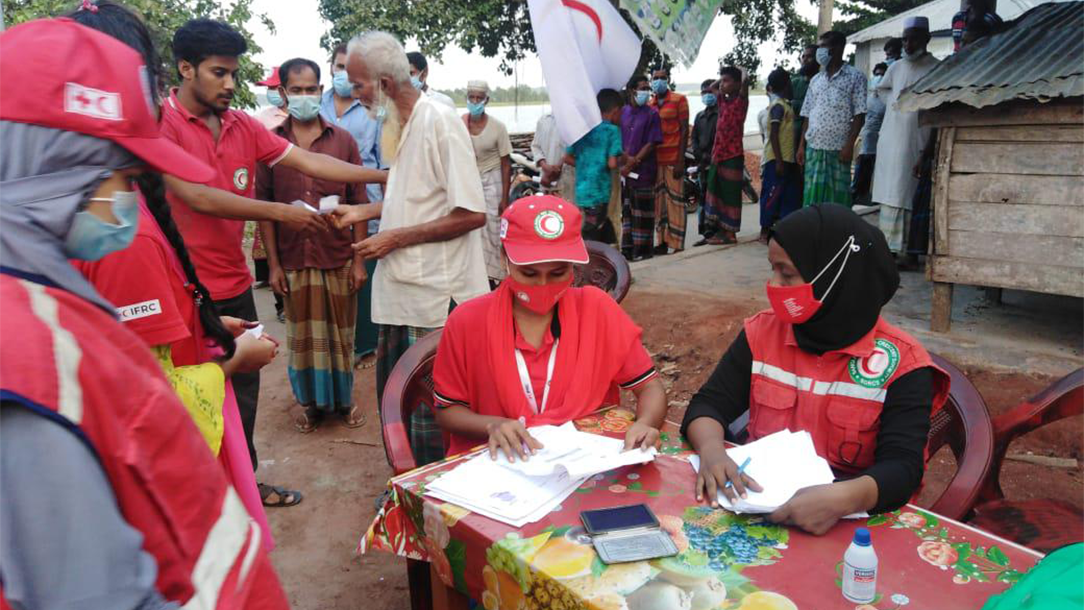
576, 5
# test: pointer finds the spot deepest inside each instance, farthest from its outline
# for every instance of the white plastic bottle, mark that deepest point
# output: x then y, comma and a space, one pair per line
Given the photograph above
860, 569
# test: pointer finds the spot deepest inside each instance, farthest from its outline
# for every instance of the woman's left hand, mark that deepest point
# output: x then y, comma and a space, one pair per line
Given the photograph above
643, 436
814, 509
236, 326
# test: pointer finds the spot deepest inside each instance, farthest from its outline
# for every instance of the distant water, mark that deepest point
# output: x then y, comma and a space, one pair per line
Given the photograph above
522, 119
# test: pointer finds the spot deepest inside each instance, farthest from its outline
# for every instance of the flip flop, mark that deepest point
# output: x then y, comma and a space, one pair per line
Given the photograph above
306, 420
286, 497
353, 418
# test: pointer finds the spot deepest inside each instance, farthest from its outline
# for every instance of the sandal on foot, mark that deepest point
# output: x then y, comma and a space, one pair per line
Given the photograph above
353, 418
306, 420
286, 497
367, 361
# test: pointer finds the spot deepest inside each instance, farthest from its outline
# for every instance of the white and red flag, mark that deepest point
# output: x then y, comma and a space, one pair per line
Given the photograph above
585, 46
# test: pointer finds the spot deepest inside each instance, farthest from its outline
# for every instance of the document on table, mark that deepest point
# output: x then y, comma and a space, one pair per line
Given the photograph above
483, 486
782, 463
518, 493
580, 454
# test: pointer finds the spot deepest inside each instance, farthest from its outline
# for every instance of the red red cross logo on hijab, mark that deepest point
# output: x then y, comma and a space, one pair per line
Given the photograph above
576, 5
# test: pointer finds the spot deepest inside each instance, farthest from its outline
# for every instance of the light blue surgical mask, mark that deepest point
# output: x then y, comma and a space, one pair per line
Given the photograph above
889, 61
875, 81
642, 97
304, 108
340, 81
476, 108
660, 86
380, 114
274, 98
91, 238
709, 99
823, 57
417, 82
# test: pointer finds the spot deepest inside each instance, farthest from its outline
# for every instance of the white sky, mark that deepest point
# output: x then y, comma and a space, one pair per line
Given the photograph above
300, 26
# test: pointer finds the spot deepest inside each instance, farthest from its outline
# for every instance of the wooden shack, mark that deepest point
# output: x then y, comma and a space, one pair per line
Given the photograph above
1008, 192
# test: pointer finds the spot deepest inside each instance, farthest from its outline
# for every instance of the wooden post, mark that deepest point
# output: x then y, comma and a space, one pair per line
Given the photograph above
941, 307
824, 17
445, 597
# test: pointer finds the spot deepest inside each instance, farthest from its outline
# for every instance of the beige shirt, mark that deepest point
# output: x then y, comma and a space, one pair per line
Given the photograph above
491, 145
432, 174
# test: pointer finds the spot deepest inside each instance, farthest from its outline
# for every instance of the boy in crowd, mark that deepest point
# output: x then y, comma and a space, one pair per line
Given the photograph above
781, 189
594, 155
722, 218
704, 135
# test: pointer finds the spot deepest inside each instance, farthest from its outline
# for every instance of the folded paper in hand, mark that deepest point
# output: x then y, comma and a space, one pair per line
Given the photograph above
781, 463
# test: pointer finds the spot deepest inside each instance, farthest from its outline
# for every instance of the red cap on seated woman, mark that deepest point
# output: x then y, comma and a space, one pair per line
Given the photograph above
552, 353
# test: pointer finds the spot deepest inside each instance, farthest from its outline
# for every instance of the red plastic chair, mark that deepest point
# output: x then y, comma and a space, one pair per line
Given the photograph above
606, 269
1043, 524
409, 386
964, 425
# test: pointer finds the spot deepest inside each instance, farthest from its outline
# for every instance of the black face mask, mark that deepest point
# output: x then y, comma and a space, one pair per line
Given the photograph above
811, 237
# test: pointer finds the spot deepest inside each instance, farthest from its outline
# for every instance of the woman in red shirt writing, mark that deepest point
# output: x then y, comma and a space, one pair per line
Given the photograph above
538, 351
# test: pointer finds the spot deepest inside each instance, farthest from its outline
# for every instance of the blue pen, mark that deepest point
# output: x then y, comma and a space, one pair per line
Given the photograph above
741, 469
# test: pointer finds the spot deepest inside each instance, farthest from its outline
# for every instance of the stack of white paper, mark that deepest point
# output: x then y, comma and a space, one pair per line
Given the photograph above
782, 463
518, 493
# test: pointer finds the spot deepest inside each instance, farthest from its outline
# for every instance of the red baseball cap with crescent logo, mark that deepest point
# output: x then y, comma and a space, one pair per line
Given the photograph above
543, 229
59, 74
272, 79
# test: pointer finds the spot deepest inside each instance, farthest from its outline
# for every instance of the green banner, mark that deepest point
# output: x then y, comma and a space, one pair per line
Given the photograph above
678, 27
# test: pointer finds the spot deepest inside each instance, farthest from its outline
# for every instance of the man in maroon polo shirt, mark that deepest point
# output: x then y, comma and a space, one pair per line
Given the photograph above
198, 117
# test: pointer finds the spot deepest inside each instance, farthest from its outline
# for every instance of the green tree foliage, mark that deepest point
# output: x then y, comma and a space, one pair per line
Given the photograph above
523, 94
164, 17
864, 13
502, 28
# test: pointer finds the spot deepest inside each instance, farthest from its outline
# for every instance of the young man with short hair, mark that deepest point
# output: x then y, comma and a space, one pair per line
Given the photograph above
722, 218
317, 275
871, 131
781, 187
419, 77
197, 116
673, 109
834, 111
641, 132
703, 137
594, 155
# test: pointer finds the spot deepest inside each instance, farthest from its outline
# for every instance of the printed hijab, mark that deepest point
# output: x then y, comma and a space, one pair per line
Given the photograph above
812, 237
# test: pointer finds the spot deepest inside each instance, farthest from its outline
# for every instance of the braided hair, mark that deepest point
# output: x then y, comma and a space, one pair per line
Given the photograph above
154, 192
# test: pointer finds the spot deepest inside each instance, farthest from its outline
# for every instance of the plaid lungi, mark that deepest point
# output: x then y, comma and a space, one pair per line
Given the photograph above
722, 199
491, 233
637, 221
320, 314
424, 433
670, 208
827, 179
894, 223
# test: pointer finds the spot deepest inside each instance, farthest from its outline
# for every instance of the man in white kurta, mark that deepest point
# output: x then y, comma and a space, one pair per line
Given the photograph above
901, 141
428, 246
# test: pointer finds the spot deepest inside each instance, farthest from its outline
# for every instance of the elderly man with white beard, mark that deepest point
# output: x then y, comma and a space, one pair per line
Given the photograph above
429, 251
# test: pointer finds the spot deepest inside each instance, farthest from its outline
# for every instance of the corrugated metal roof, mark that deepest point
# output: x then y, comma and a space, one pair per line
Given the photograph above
940, 13
1040, 56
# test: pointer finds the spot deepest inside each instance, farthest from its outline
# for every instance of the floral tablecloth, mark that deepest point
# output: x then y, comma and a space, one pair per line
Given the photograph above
726, 561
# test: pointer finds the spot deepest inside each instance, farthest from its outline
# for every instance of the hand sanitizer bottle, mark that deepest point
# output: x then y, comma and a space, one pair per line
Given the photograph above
860, 569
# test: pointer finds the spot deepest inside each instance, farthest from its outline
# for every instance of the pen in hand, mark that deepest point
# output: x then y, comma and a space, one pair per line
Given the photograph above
741, 469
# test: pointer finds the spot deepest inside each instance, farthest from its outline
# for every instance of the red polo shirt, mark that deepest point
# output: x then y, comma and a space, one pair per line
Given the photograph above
214, 243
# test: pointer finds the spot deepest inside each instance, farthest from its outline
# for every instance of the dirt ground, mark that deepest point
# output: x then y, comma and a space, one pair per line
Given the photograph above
342, 471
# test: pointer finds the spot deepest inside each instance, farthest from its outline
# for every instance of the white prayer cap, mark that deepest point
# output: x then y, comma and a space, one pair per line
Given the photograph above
478, 85
917, 22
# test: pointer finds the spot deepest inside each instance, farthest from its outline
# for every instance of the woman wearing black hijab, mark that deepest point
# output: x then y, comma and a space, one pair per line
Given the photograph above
823, 360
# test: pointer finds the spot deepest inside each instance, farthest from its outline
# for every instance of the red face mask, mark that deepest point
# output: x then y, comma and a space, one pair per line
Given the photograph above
539, 299
796, 304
